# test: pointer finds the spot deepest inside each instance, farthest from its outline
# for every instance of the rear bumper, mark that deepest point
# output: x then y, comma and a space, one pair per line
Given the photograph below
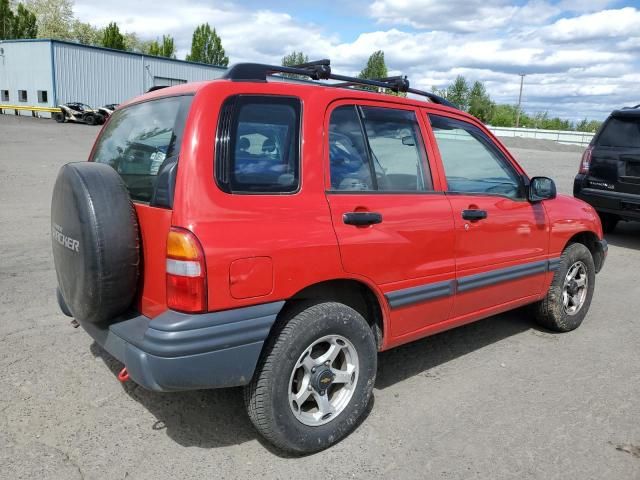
626, 205
177, 351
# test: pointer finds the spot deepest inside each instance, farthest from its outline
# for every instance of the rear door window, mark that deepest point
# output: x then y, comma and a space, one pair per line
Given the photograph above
620, 132
376, 149
141, 142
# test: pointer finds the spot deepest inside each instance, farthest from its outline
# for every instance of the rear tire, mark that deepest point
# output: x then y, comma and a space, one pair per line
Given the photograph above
609, 221
569, 297
315, 379
91, 119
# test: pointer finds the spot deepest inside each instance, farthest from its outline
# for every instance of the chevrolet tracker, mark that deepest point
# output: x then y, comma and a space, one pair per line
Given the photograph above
279, 234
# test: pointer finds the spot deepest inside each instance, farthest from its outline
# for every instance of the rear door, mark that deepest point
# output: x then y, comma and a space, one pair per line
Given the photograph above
393, 227
615, 158
501, 239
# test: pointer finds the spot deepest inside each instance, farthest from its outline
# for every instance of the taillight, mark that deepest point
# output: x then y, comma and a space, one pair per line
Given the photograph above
186, 272
586, 160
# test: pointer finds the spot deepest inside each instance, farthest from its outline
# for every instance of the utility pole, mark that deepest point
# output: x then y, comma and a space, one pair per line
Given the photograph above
522, 75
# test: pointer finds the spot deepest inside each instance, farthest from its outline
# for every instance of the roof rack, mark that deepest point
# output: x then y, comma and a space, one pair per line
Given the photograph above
321, 70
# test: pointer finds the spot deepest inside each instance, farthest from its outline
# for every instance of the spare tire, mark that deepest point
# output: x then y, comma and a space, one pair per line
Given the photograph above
95, 241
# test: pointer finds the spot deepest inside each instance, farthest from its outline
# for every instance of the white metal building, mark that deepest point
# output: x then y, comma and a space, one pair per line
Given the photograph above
46, 73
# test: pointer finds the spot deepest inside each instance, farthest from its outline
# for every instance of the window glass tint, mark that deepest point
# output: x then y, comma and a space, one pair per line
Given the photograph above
261, 153
350, 168
388, 158
471, 162
396, 149
141, 140
620, 132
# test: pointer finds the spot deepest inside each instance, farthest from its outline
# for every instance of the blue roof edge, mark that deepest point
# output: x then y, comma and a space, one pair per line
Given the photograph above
124, 52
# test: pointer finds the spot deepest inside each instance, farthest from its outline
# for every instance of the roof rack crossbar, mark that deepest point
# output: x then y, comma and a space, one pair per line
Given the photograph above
396, 84
321, 70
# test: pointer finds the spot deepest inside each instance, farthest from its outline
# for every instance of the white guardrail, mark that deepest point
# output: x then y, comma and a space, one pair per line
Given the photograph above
560, 136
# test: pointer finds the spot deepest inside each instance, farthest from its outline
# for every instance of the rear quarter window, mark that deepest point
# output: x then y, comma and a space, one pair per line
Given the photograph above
141, 142
620, 132
258, 145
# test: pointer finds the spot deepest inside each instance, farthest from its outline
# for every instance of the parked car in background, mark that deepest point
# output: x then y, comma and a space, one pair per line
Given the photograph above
609, 175
78, 112
293, 244
107, 110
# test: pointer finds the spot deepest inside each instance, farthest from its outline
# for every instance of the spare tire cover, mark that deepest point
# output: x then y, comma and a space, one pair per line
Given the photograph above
95, 240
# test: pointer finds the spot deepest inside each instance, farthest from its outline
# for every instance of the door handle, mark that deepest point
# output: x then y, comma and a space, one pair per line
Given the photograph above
361, 218
474, 215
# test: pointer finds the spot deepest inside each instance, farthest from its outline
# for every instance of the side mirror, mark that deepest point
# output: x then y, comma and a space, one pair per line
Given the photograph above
409, 141
541, 188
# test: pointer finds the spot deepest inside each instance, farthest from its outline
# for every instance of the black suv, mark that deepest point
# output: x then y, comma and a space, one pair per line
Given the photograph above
609, 175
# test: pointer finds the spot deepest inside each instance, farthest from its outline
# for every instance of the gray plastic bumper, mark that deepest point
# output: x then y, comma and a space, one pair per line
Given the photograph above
177, 351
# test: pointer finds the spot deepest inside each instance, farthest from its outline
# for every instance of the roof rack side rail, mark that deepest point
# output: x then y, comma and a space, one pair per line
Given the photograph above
433, 97
318, 70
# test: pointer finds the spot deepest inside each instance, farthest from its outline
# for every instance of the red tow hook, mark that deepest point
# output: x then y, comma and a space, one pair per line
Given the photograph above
123, 376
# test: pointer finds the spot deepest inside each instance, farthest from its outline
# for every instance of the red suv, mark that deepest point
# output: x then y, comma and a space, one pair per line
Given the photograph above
277, 235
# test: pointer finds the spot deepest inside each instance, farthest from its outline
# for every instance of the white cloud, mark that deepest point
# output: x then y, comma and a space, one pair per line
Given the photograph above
576, 66
622, 23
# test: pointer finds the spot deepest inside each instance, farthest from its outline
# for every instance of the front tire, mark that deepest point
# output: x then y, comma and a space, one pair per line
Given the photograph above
315, 379
569, 297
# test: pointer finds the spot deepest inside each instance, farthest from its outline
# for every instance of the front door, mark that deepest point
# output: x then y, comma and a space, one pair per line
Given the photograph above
501, 238
393, 227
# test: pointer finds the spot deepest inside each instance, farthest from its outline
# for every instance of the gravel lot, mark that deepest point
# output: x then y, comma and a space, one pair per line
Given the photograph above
496, 399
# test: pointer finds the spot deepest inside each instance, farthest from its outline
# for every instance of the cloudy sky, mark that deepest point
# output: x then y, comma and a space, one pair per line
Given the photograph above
581, 57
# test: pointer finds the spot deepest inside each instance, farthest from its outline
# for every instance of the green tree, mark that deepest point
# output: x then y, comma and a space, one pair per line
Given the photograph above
24, 23
375, 68
86, 33
112, 38
54, 18
206, 47
458, 93
164, 49
133, 43
6, 20
504, 116
294, 58
480, 104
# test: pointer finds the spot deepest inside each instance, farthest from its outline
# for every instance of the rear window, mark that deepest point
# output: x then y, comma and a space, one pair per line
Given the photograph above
620, 132
257, 145
141, 143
